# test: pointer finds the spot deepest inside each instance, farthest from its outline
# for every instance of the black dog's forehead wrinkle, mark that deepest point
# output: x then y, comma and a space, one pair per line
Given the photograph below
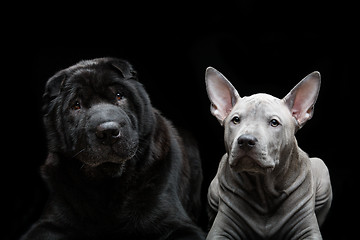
94, 81
96, 77
107, 62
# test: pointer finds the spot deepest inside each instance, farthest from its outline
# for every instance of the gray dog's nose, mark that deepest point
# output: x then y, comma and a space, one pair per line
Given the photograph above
108, 132
247, 142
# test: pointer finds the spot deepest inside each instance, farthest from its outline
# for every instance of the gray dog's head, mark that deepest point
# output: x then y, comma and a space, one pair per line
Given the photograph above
259, 129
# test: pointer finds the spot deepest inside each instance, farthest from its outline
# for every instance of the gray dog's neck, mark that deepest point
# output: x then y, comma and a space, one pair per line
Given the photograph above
269, 189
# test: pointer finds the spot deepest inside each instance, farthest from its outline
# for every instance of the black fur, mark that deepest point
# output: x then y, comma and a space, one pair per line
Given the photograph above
141, 183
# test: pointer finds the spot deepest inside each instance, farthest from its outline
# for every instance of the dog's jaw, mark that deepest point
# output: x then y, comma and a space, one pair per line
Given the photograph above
250, 165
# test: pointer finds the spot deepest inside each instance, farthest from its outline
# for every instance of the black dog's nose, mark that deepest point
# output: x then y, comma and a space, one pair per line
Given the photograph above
108, 132
247, 142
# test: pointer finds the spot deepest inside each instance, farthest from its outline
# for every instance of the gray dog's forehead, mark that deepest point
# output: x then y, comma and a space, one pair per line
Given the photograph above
260, 98
261, 103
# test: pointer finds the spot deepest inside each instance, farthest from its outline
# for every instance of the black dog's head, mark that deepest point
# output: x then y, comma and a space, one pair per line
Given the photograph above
96, 111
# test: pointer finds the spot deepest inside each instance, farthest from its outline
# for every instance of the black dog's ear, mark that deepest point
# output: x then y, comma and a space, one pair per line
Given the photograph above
123, 67
53, 88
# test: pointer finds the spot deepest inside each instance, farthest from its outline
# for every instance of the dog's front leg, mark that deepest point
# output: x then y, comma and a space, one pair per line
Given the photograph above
213, 201
213, 193
323, 196
224, 228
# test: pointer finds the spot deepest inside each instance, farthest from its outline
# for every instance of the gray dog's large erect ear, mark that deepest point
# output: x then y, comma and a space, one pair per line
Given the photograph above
222, 94
301, 99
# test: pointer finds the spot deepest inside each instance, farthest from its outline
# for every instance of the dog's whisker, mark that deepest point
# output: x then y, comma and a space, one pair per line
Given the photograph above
78, 152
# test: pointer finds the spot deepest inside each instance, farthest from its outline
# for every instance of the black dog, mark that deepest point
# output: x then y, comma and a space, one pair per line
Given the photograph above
116, 168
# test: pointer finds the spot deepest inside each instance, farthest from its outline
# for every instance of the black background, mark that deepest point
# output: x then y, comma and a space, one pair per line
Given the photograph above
170, 49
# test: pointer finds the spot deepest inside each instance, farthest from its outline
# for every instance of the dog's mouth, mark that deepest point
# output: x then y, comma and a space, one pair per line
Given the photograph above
251, 165
99, 155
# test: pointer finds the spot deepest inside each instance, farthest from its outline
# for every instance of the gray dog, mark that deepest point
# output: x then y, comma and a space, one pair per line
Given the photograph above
266, 187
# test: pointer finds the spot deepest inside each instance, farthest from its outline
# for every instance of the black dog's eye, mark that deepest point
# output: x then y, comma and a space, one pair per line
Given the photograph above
274, 123
235, 120
76, 105
119, 96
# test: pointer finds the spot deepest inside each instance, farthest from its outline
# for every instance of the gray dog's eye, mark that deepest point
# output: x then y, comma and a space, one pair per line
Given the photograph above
235, 120
274, 123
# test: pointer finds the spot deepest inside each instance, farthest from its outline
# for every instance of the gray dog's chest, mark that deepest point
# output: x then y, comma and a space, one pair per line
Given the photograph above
265, 213
250, 207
